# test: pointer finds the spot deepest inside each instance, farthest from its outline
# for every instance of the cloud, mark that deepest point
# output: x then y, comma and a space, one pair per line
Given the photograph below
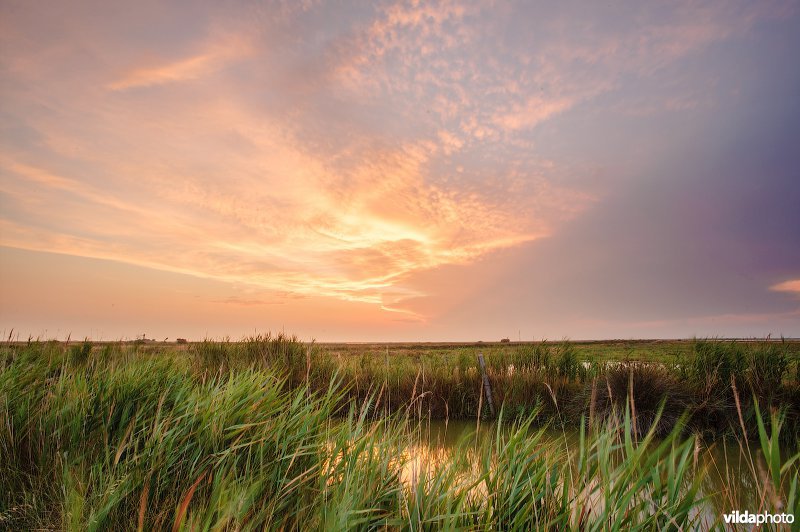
214, 56
489, 82
356, 233
338, 159
185, 69
533, 112
792, 286
273, 298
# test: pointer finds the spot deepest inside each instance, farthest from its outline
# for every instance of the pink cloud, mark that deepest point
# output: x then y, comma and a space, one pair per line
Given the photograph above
214, 55
220, 180
792, 286
533, 112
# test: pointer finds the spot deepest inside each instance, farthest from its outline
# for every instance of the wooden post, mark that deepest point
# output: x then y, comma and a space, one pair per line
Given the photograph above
486, 386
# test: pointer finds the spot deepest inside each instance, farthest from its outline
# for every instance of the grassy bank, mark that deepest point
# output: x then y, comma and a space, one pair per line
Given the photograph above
230, 436
718, 383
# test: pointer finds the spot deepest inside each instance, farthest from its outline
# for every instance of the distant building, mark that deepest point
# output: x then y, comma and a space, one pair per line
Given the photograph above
505, 341
181, 341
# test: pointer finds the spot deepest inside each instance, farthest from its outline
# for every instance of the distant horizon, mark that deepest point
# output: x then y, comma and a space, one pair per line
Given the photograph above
16, 339
400, 170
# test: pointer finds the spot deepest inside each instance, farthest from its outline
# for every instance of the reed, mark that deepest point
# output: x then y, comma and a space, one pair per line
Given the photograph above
268, 434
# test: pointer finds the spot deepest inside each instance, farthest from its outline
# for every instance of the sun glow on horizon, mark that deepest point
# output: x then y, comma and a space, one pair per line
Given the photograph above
401, 163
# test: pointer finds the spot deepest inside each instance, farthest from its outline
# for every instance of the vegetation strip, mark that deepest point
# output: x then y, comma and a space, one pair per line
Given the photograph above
273, 433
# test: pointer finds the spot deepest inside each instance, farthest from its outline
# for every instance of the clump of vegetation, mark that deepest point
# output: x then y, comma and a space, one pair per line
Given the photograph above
729, 380
110, 438
656, 397
233, 435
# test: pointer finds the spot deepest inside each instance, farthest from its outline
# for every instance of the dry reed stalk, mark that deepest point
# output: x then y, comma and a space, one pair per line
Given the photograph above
386, 381
738, 406
380, 396
185, 503
308, 364
143, 505
553, 395
480, 405
742, 446
121, 448
769, 488
635, 425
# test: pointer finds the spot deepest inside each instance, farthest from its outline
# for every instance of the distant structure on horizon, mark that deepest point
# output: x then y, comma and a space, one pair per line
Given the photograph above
505, 341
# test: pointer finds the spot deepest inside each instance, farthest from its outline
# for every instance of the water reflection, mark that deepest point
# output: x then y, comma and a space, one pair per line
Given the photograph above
731, 475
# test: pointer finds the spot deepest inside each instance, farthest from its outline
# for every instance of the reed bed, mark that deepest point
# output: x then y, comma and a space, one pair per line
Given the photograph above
716, 382
271, 433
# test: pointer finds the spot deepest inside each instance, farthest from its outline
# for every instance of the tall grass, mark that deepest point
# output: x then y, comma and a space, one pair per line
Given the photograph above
261, 435
553, 380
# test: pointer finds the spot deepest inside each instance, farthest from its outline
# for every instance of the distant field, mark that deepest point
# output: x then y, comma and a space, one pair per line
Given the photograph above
586, 350
646, 350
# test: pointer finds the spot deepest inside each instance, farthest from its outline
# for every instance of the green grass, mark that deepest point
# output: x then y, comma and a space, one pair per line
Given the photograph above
717, 382
272, 433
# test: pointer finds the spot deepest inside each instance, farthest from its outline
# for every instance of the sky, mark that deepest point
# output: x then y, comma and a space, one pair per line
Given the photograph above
399, 171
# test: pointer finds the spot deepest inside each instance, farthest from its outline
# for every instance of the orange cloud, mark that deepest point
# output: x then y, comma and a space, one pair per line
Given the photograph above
281, 221
213, 57
186, 69
533, 112
201, 179
792, 286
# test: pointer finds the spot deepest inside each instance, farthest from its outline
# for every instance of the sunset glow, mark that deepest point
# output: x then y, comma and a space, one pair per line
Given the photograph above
406, 171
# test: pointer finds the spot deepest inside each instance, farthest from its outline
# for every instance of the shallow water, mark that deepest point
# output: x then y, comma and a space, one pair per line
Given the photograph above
731, 474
